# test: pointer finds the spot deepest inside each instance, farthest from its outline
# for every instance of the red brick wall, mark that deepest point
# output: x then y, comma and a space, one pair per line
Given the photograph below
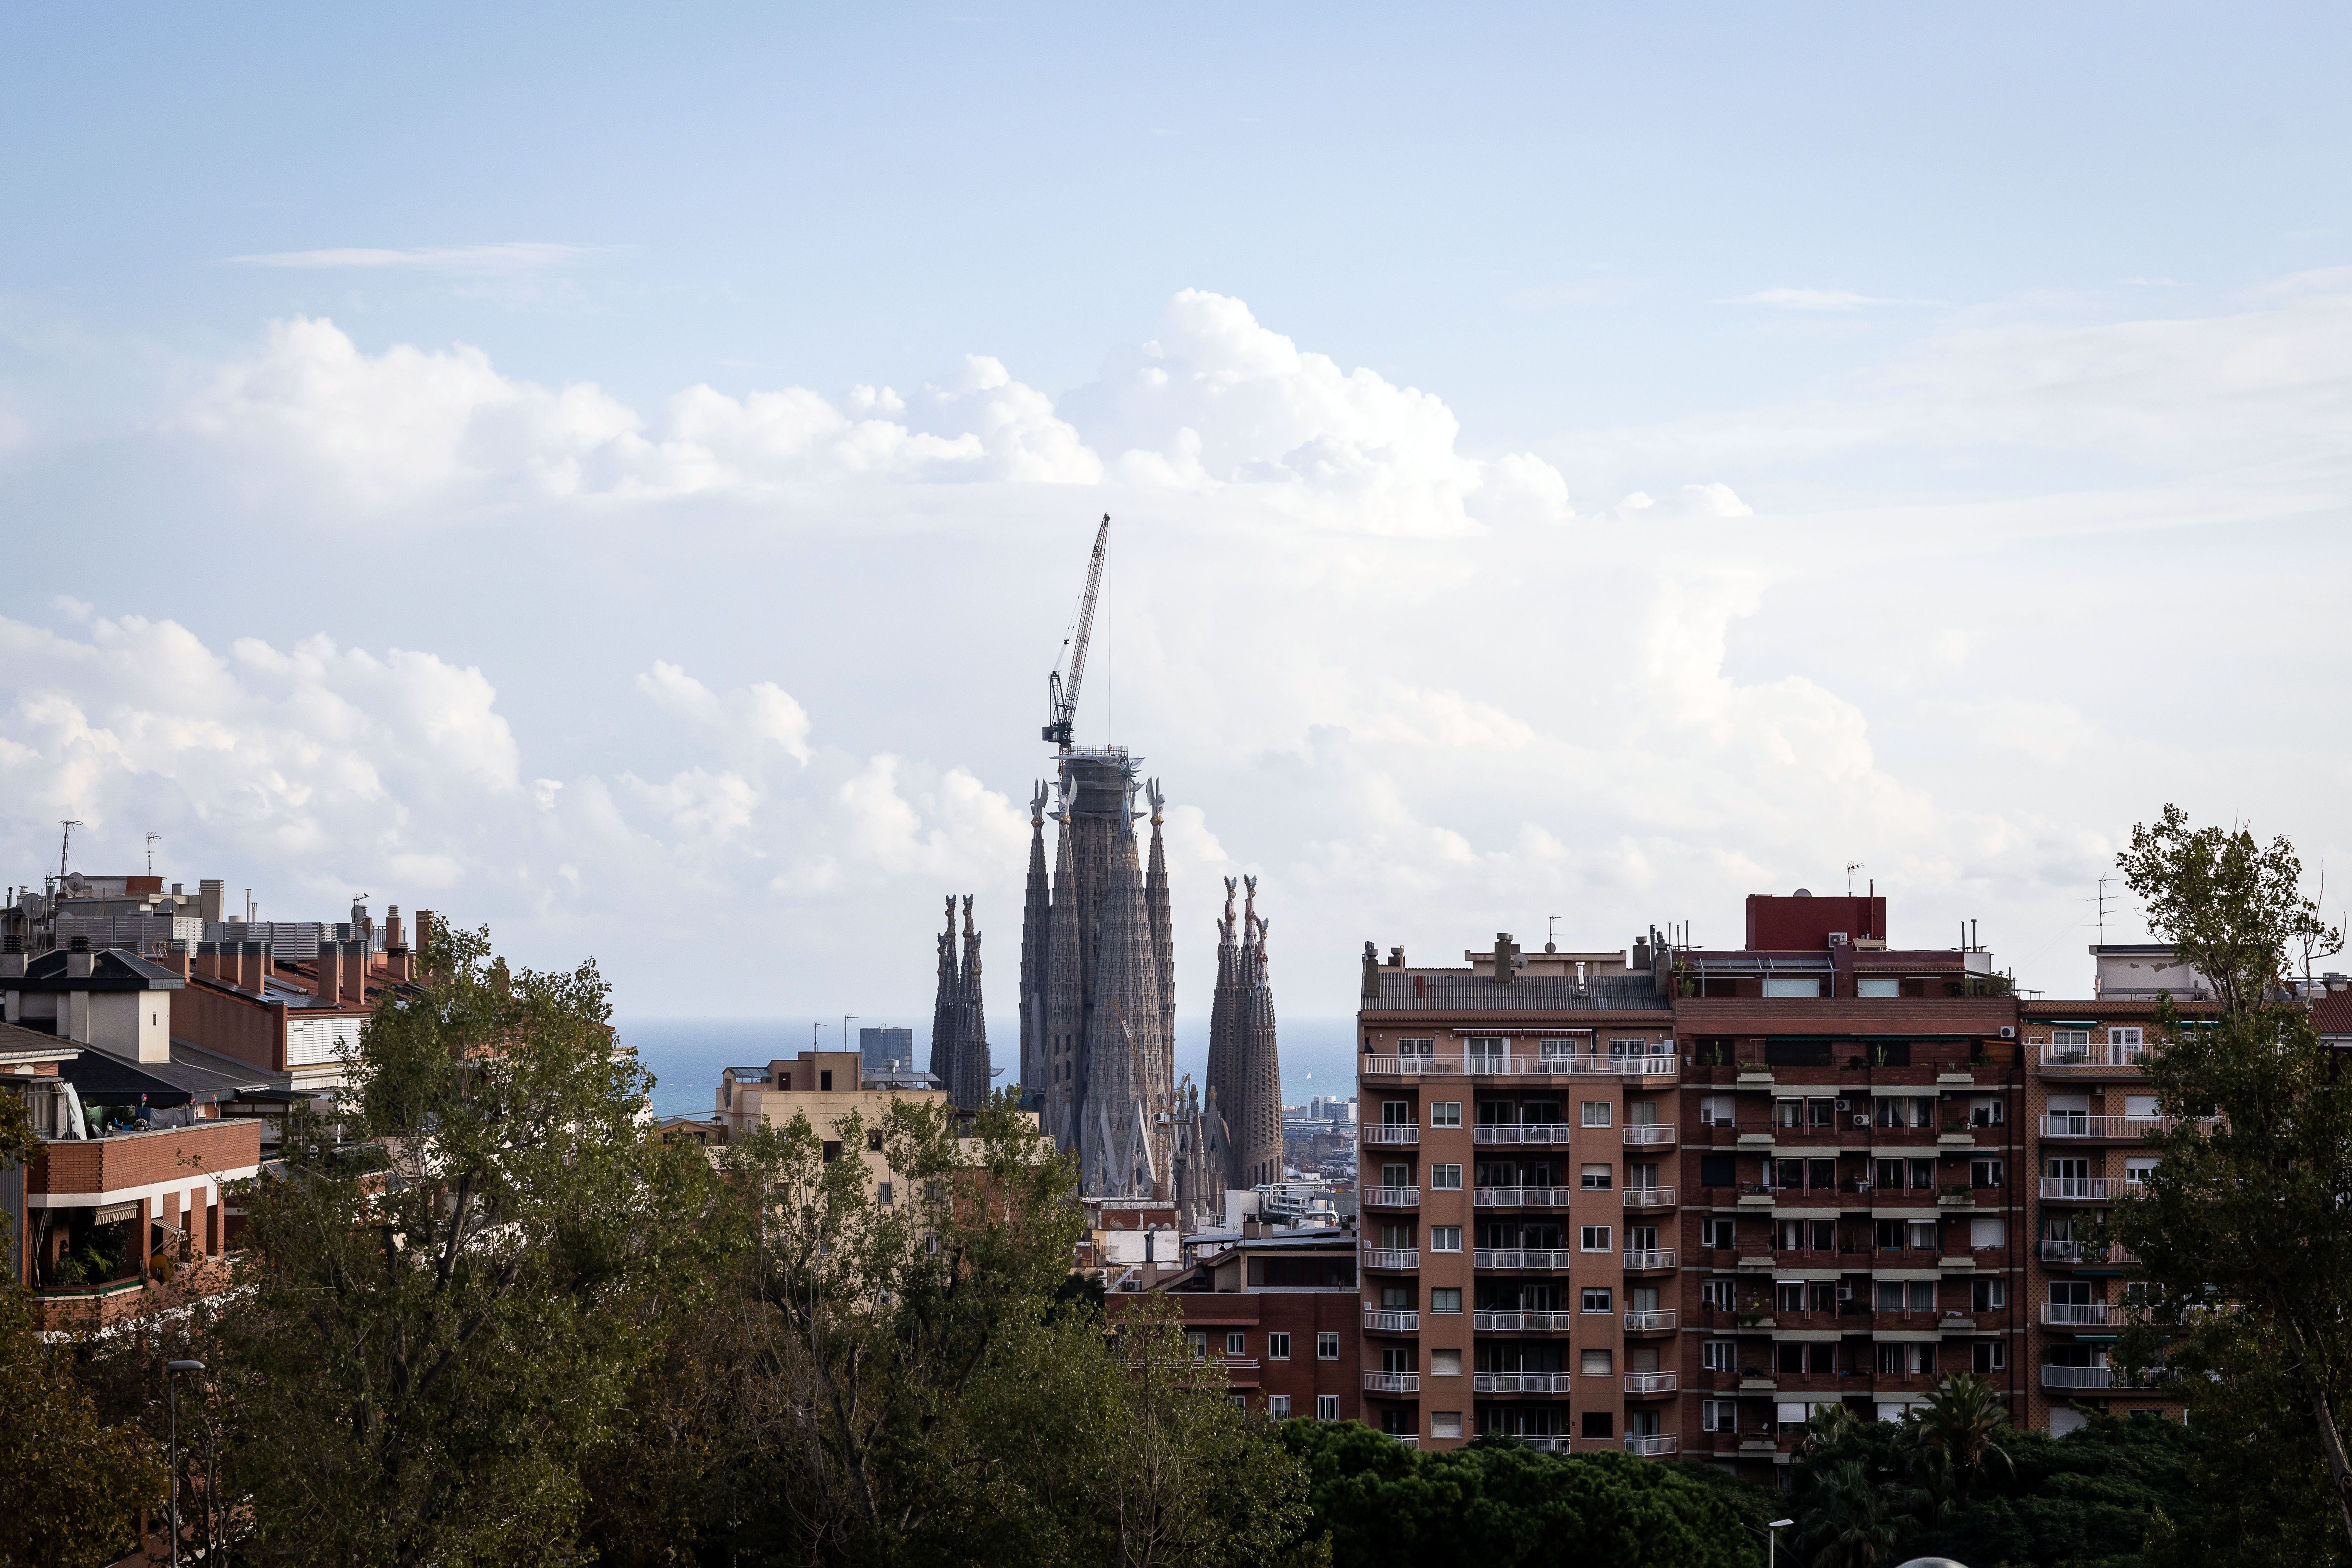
235, 1027
179, 1156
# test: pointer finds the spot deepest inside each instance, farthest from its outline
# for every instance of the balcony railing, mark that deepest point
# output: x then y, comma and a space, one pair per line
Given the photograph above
1392, 1197
1392, 1383
1648, 1322
2075, 1252
2078, 1377
1392, 1257
1645, 1134
1649, 1446
1483, 1065
1519, 1383
1404, 1439
1649, 1197
1520, 1132
1522, 1322
1652, 1258
1382, 1321
1649, 1383
1541, 1442
2075, 1314
1522, 1197
1391, 1132
2099, 1055
1525, 1259
2080, 1189
2082, 1124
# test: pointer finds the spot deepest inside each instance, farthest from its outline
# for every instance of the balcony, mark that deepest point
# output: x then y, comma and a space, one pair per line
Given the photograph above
2075, 1189
1392, 1257
1392, 1383
1542, 1442
2078, 1377
1519, 1383
1525, 1260
1391, 1132
2076, 1314
1648, 1385
1649, 1322
1392, 1197
1383, 1322
2078, 1252
1649, 1446
1649, 1134
1408, 1067
1653, 1257
1522, 1322
2091, 1059
1404, 1439
1649, 1197
1487, 1065
2082, 1124
1521, 1197
1521, 1133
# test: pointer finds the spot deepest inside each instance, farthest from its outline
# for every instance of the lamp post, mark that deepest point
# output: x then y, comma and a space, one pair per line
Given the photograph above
171, 1369
1772, 1537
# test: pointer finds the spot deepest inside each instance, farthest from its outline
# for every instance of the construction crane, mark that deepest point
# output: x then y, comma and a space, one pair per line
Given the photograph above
1063, 701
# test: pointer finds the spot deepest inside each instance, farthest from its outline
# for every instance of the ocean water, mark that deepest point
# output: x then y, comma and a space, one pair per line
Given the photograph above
686, 1056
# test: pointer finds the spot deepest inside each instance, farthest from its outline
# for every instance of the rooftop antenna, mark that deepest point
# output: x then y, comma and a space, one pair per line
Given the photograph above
65, 846
1062, 703
1551, 936
2101, 901
845, 1020
1850, 867
152, 839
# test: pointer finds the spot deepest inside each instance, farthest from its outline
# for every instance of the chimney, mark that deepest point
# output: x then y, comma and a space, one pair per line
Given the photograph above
80, 960
355, 955
252, 965
175, 958
208, 899
12, 957
1507, 954
331, 971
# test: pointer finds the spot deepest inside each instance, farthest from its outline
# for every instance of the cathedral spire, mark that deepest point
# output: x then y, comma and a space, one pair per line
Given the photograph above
943, 1005
1036, 910
1163, 939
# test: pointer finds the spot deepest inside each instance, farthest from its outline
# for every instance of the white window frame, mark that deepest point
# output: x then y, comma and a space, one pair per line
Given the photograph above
1445, 1178
1584, 1302
1277, 1406
1237, 1341
1278, 1345
1445, 1300
1597, 1112
1327, 1407
1327, 1346
1445, 1239
1445, 1113
1594, 1239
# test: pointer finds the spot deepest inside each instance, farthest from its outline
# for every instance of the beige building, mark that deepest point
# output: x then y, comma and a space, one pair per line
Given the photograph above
825, 1087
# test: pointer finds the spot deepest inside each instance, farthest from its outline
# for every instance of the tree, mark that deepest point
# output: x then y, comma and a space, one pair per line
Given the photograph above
2241, 1229
441, 1320
1963, 1421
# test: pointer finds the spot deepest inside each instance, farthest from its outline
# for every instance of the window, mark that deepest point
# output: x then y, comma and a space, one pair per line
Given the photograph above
1922, 1234
1717, 1233
1877, 985
1327, 1407
1445, 1299
1890, 1236
1987, 1295
1596, 1113
1236, 1343
1988, 1355
2139, 1106
1716, 1110
1889, 1296
1789, 1236
1789, 1296
1327, 1347
1594, 1299
1987, 1233
1416, 1048
2069, 1039
1594, 1178
1196, 1344
1396, 1175
1718, 1355
2129, 1039
832, 1149
1445, 1113
1444, 1177
1923, 1295
1987, 1111
882, 1192
1278, 1407
2138, 1168
1719, 1416
1792, 985
1717, 1170
1445, 1239
1788, 1113
1721, 1293
1485, 1050
1594, 1364
1983, 1174
1600, 1422
1593, 1239
1278, 1347
1445, 1423
1396, 1114
874, 1141
825, 1081
1821, 1113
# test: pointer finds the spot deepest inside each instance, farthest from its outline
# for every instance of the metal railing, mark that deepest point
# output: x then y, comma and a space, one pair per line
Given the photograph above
1493, 1066
1649, 1197
2104, 1055
1651, 1258
1522, 1322
1519, 1383
1520, 1132
1650, 1445
1642, 1135
1404, 1439
2081, 1188
2075, 1314
1554, 1261
1392, 1257
1647, 1383
2078, 1377
1392, 1197
1648, 1322
1392, 1383
1521, 1197
2082, 1124
1384, 1320
1391, 1132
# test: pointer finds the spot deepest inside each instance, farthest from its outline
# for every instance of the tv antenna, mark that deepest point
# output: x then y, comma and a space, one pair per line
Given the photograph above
1850, 867
1551, 935
2101, 901
66, 847
152, 839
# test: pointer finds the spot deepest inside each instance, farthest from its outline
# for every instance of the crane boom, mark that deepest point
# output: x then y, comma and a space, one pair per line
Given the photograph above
1063, 700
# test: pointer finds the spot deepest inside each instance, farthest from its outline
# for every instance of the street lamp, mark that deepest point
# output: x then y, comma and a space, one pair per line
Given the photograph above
170, 1371
1772, 1536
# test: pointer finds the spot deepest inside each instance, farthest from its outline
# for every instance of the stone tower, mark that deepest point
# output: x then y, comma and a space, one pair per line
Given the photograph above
1104, 986
959, 1018
1244, 1063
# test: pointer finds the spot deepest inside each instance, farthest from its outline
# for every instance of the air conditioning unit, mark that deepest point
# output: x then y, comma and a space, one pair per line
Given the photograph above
1862, 1119
2008, 1032
1843, 1105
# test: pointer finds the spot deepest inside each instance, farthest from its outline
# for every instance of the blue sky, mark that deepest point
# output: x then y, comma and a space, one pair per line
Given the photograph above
1596, 462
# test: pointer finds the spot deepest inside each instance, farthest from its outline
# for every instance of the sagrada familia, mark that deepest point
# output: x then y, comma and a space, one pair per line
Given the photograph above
959, 1024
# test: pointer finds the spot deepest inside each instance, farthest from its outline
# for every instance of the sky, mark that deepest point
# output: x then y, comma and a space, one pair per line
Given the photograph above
624, 476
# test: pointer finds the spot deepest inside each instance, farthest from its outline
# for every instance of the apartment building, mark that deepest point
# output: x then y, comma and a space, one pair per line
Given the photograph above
1673, 1200
1278, 1309
825, 1087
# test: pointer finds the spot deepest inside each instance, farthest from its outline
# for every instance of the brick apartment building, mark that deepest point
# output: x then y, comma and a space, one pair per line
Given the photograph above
1279, 1308
1674, 1200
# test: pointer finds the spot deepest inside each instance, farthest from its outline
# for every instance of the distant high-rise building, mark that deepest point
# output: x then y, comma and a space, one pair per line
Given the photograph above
885, 1047
959, 1021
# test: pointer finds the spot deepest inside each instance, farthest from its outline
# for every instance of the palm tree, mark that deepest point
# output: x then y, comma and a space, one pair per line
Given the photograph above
1963, 1422
1846, 1523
